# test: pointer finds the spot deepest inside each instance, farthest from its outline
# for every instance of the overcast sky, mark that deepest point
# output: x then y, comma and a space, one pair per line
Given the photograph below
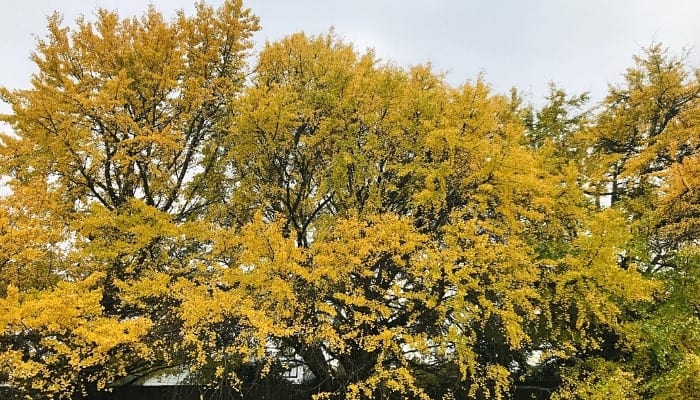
582, 45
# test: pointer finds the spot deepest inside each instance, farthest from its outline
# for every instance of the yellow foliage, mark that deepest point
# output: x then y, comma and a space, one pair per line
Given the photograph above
395, 235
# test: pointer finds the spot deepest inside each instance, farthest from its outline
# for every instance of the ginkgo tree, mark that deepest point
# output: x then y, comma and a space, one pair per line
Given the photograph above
643, 155
398, 237
114, 160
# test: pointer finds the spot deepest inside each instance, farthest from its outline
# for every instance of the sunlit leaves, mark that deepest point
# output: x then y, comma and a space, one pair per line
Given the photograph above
61, 338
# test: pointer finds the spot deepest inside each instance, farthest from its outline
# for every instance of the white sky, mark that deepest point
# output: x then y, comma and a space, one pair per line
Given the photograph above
581, 45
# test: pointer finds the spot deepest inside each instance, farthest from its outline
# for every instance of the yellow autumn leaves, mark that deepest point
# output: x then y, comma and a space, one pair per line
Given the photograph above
396, 236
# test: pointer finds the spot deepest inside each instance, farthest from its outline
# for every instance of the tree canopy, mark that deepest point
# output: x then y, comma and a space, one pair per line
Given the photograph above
175, 205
